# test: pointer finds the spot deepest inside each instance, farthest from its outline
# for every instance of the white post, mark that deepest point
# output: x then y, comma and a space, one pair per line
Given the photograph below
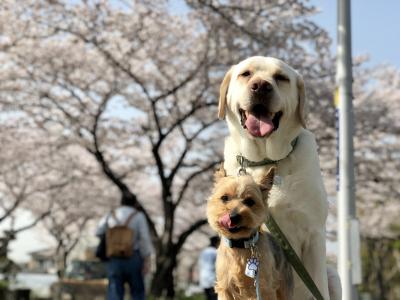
346, 196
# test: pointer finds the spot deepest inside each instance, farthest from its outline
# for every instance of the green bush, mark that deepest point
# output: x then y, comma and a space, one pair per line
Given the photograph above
3, 285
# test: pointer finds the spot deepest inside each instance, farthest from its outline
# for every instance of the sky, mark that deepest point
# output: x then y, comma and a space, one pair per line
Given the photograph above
375, 28
375, 31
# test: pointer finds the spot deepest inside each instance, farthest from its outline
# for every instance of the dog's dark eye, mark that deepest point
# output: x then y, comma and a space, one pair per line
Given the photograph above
281, 77
225, 198
245, 74
249, 202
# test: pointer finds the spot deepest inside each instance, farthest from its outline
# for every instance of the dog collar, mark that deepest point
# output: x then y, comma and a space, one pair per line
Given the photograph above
242, 243
245, 163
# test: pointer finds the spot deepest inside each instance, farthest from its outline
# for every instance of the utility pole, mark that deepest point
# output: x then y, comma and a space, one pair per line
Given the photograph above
348, 233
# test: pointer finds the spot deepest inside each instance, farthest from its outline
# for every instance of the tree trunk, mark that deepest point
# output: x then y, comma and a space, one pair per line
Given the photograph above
163, 284
61, 264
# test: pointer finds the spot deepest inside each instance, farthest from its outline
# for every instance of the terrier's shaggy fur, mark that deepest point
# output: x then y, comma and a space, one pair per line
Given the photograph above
236, 210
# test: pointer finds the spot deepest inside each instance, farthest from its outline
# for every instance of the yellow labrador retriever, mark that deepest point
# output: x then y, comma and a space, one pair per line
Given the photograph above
263, 100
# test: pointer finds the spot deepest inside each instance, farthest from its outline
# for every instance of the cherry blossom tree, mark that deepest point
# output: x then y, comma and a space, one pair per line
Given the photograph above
134, 85
121, 59
377, 95
25, 181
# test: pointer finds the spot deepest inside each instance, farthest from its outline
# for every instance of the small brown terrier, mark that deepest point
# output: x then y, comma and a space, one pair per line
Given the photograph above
236, 210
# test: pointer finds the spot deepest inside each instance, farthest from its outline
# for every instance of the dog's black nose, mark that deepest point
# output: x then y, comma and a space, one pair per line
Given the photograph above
235, 217
261, 87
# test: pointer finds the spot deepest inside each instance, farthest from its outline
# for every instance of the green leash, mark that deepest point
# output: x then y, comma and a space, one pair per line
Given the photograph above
292, 257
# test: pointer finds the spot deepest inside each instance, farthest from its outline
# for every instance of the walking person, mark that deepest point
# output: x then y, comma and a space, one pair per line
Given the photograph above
206, 265
128, 225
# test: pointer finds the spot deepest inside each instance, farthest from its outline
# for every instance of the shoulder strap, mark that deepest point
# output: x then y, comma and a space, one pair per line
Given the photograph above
107, 217
130, 217
114, 216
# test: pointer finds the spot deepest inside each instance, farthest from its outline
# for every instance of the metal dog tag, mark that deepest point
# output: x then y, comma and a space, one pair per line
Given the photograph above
252, 267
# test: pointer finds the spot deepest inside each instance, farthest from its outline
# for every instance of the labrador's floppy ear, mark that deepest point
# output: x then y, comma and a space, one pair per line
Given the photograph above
223, 91
301, 105
267, 180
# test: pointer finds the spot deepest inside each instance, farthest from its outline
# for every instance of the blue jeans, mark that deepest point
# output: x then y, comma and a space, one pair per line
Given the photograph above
125, 270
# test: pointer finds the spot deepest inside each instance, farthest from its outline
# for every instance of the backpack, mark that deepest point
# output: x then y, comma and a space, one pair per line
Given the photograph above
119, 239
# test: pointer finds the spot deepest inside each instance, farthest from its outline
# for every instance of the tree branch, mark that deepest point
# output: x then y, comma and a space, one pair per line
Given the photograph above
233, 23
192, 177
34, 223
185, 234
110, 173
189, 141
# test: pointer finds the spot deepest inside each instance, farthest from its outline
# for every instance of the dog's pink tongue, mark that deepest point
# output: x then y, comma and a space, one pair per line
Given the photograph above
225, 221
259, 126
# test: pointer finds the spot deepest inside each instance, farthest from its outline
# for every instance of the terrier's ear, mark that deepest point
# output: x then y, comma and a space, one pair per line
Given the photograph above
223, 91
267, 180
220, 173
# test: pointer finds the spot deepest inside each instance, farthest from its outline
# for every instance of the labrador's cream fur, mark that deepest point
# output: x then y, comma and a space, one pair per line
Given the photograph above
298, 200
